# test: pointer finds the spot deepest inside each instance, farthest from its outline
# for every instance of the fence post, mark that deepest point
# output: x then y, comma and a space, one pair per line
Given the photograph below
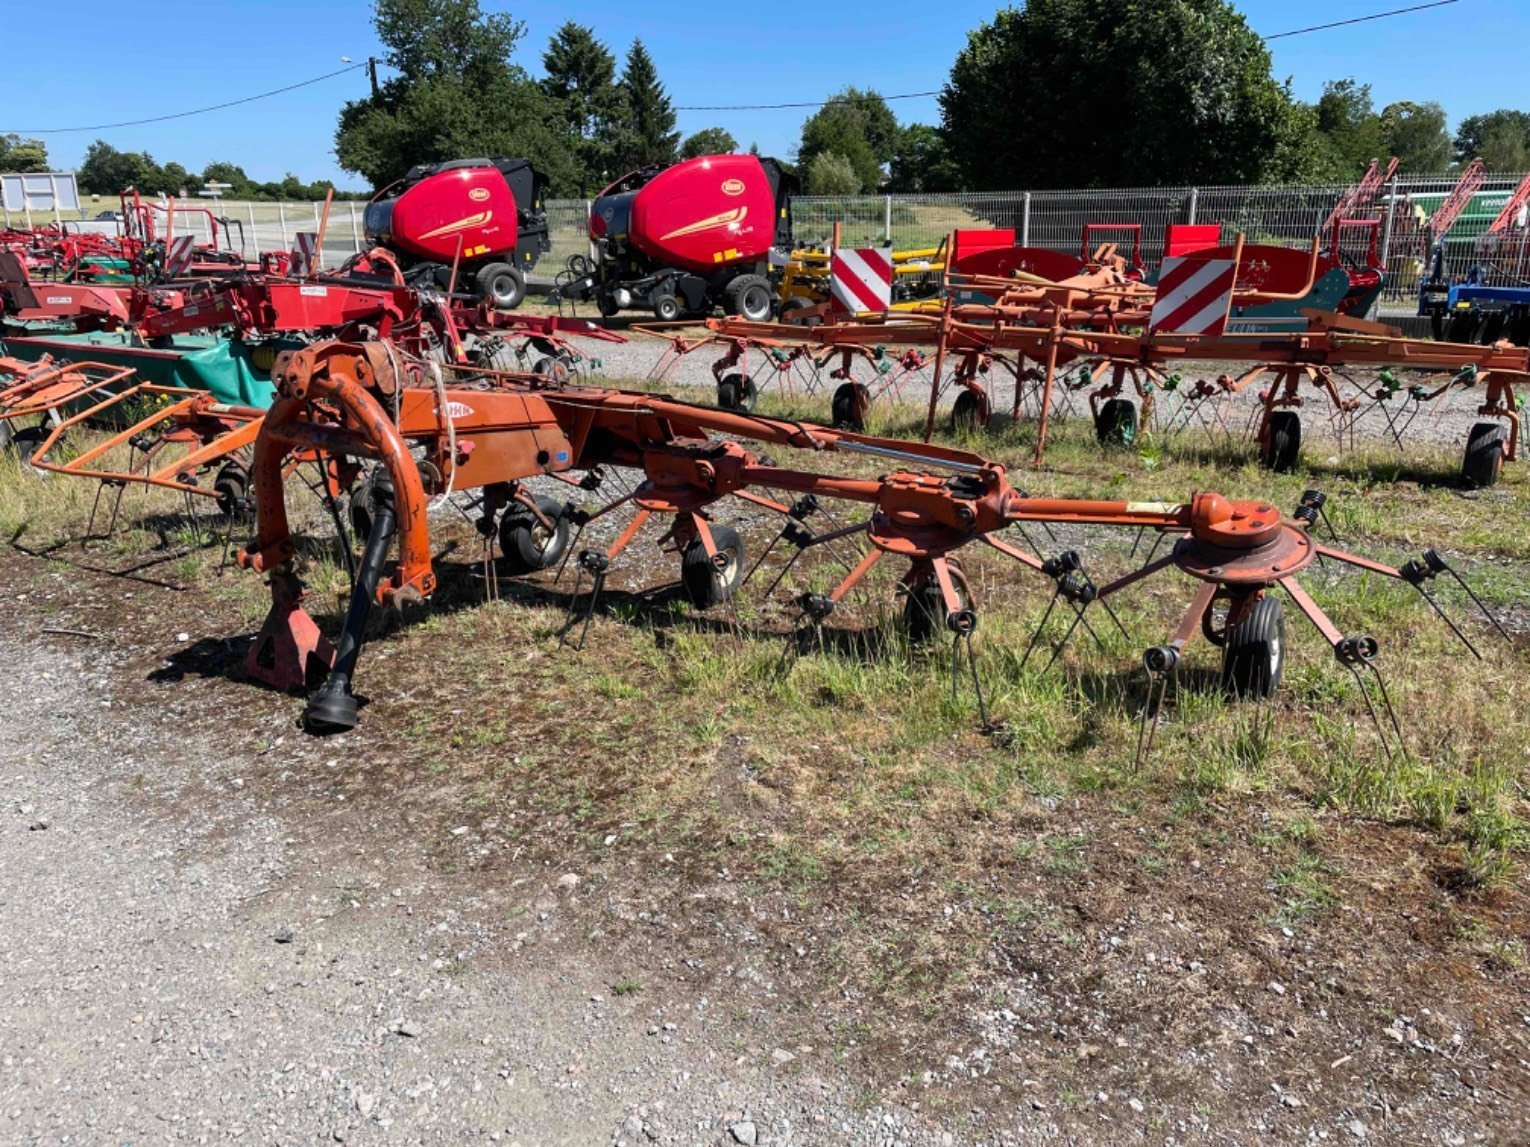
1195, 200
281, 217
249, 210
1386, 246
355, 227
887, 219
1025, 221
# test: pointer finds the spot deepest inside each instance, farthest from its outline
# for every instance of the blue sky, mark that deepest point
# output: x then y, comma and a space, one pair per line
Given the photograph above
180, 54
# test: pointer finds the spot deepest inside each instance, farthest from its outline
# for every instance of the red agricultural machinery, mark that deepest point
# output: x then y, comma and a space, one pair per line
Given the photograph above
476, 225
684, 239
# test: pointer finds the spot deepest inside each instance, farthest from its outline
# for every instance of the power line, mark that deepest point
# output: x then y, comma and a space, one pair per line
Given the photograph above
196, 111
1360, 19
806, 104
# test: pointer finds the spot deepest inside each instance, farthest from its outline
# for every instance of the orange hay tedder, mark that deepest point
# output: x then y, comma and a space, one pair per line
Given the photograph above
399, 432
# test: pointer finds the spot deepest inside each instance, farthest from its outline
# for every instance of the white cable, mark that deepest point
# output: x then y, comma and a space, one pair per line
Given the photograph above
444, 412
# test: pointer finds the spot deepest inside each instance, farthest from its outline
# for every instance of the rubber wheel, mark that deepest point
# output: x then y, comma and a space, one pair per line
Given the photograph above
749, 297
666, 306
1519, 329
737, 392
527, 544
1484, 455
1117, 423
924, 610
554, 369
1492, 329
606, 305
969, 412
232, 486
1437, 326
1255, 653
24, 442
502, 285
791, 313
1284, 446
1461, 326
704, 583
851, 401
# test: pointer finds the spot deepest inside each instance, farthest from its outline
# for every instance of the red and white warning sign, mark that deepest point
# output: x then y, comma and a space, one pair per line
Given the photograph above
178, 256
305, 254
860, 279
1194, 295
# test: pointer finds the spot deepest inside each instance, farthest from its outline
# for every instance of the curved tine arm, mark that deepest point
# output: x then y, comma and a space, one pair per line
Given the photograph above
1136, 575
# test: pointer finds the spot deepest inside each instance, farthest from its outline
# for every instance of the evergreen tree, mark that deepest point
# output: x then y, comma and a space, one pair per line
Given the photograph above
581, 79
647, 136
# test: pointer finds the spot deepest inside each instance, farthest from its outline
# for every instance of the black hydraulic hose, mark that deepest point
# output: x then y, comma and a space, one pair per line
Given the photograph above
332, 706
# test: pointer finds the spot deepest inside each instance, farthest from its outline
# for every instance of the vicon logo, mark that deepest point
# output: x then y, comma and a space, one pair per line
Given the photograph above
478, 194
733, 187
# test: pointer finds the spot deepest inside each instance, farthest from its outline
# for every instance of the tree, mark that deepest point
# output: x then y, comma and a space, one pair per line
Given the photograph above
107, 171
708, 141
1505, 132
581, 79
831, 174
455, 94
857, 126
1349, 126
1416, 134
647, 137
1080, 93
22, 155
239, 183
921, 162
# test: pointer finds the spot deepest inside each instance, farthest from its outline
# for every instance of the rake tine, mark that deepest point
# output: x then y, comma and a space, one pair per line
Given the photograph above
1445, 617
1089, 629
1370, 704
589, 613
1036, 635
977, 683
1162, 665
1114, 618
1478, 602
573, 542
1057, 650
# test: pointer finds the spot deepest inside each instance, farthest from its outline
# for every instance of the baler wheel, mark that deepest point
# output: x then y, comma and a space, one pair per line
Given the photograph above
1117, 423
666, 306
749, 297
924, 608
705, 583
502, 285
527, 544
1484, 455
1255, 652
969, 413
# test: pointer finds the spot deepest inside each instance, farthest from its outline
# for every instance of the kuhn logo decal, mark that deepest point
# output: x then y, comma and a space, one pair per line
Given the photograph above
478, 194
733, 187
456, 410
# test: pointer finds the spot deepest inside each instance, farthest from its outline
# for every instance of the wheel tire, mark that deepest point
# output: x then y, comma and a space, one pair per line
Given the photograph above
704, 583
1461, 326
502, 285
750, 298
924, 609
606, 305
969, 413
527, 544
1492, 328
1519, 329
791, 312
666, 306
232, 486
851, 401
1437, 326
1484, 455
1117, 423
24, 442
552, 368
1284, 446
737, 392
1255, 653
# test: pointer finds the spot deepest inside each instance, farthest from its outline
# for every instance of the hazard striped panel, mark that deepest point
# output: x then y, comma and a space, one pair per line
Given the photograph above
860, 279
305, 254
1194, 296
178, 256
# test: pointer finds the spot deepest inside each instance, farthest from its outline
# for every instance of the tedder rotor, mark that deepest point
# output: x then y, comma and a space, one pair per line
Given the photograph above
399, 433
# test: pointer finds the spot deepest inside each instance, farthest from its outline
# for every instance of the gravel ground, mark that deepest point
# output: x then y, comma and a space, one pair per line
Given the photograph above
187, 955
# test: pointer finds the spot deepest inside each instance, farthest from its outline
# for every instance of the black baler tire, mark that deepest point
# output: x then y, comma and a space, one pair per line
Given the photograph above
491, 279
737, 392
666, 306
518, 536
704, 584
1483, 460
1255, 653
1284, 445
740, 292
1461, 326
